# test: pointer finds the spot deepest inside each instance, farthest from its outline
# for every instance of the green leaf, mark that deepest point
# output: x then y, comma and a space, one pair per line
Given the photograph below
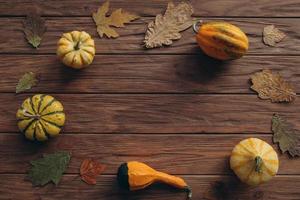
34, 29
49, 168
285, 135
27, 81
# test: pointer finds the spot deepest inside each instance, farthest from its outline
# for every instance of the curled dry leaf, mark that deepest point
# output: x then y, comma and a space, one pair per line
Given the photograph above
89, 170
271, 85
34, 28
285, 135
272, 35
166, 28
118, 18
27, 81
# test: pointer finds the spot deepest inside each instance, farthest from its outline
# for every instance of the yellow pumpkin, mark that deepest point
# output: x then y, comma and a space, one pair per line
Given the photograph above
40, 117
254, 161
76, 49
222, 40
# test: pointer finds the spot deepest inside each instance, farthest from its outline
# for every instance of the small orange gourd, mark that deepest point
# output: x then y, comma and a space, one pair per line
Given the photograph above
136, 175
221, 40
254, 161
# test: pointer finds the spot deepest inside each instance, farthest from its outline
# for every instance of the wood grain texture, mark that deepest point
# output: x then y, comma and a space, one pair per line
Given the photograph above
176, 154
204, 187
266, 8
132, 36
147, 74
144, 113
173, 108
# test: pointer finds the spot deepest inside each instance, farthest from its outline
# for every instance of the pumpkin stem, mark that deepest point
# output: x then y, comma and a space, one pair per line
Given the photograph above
196, 26
258, 163
26, 114
76, 46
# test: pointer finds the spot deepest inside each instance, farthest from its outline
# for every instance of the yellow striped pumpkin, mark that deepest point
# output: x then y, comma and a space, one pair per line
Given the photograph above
76, 49
254, 161
222, 40
40, 117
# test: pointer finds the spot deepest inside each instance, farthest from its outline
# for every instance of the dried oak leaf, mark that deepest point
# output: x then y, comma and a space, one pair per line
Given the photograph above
166, 28
49, 168
118, 18
272, 35
285, 135
89, 170
271, 85
34, 28
27, 81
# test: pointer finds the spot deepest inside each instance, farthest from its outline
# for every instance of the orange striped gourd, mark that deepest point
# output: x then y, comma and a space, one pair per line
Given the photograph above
254, 161
222, 40
40, 117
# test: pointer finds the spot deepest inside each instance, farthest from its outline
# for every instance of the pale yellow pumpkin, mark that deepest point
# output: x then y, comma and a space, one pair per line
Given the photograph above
76, 49
254, 161
40, 117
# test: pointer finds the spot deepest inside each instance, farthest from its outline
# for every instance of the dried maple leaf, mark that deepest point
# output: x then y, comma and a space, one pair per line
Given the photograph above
271, 85
27, 81
34, 28
166, 28
118, 18
271, 35
285, 135
89, 170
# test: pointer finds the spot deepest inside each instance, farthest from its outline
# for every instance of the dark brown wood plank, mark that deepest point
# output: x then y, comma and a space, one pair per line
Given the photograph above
132, 36
147, 74
290, 8
97, 113
177, 154
71, 187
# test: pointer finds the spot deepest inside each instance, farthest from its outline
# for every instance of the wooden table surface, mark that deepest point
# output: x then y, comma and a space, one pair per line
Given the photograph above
172, 108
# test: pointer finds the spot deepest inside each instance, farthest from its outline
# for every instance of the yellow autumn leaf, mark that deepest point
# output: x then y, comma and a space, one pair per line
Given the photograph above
118, 18
272, 35
271, 85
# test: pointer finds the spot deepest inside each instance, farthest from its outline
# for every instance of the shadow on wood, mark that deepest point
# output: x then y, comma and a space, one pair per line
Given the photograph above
200, 68
68, 74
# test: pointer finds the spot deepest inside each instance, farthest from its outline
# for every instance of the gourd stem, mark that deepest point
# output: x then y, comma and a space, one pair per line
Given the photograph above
26, 114
76, 47
196, 26
189, 192
258, 163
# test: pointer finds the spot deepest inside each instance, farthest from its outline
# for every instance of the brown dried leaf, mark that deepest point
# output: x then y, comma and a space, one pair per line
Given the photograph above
118, 18
34, 28
271, 85
285, 135
166, 28
89, 170
271, 35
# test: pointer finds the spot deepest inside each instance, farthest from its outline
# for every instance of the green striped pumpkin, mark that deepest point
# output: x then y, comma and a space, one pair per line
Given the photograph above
40, 117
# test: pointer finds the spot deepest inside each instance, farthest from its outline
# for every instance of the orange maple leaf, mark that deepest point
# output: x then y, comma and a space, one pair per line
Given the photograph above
90, 169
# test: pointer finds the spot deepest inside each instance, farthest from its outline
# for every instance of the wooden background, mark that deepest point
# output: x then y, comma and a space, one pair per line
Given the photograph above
173, 108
